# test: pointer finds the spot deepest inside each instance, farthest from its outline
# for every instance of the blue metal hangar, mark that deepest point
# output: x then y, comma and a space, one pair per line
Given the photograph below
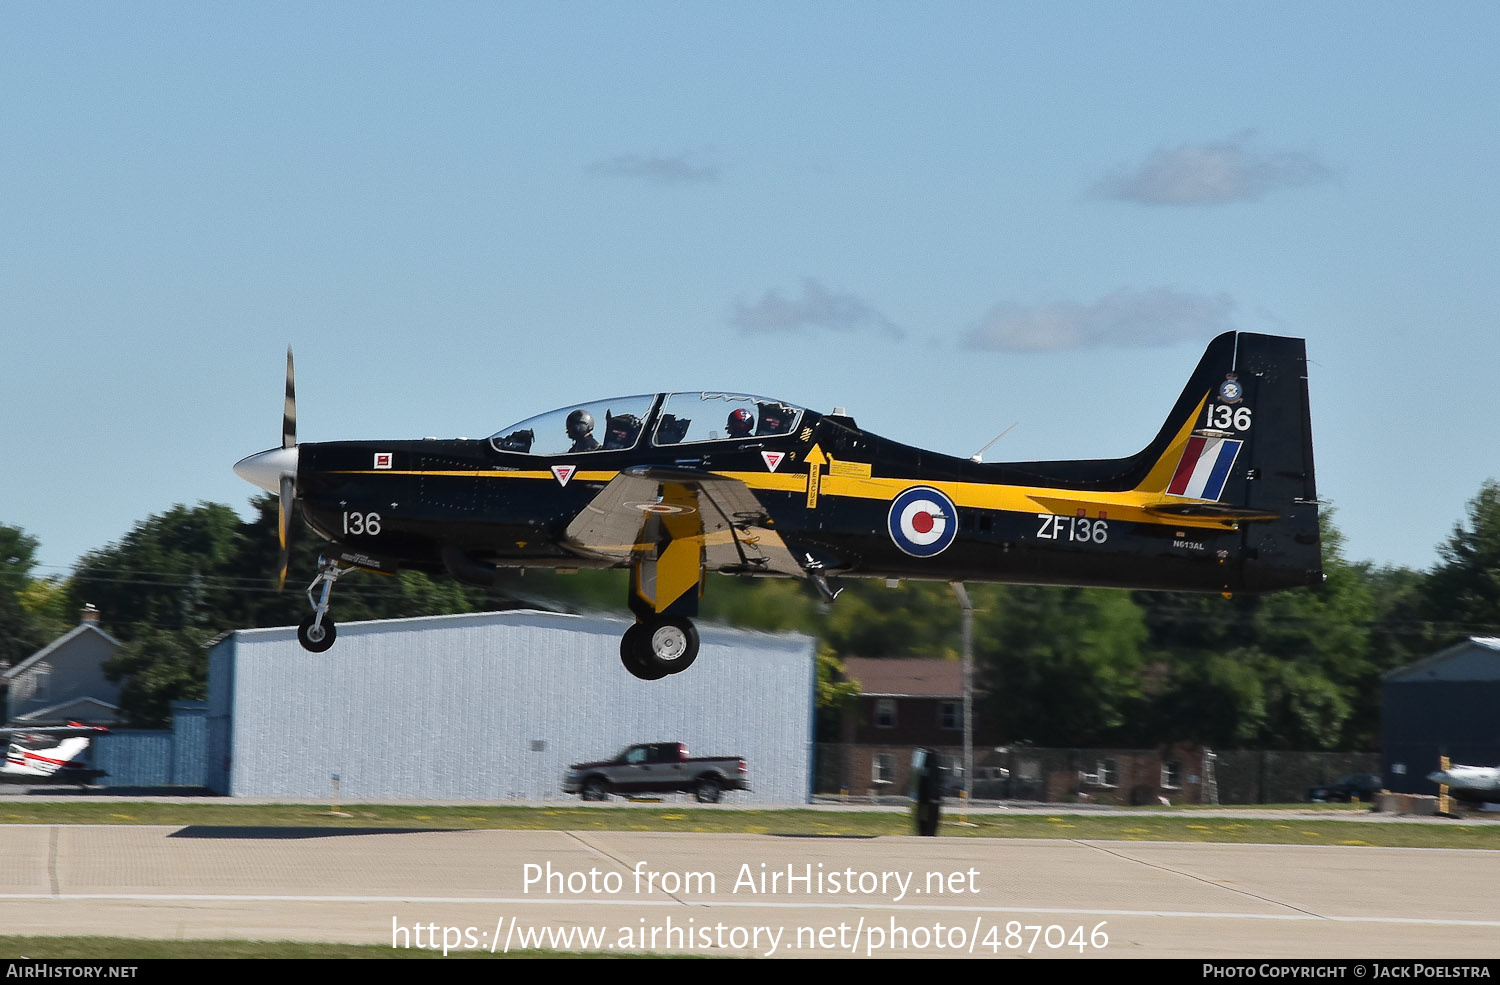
494, 706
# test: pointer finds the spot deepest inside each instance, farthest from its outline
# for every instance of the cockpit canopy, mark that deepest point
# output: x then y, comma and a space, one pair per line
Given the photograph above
622, 423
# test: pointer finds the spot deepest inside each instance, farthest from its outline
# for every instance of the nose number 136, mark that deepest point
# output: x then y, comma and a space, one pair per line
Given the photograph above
362, 523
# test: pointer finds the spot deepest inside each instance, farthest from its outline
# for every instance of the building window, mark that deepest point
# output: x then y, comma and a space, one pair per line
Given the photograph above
1171, 775
950, 714
883, 768
885, 713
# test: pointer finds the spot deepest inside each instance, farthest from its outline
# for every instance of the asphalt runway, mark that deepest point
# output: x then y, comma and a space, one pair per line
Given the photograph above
762, 895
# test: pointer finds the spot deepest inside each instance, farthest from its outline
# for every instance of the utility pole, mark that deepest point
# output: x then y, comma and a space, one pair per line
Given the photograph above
968, 651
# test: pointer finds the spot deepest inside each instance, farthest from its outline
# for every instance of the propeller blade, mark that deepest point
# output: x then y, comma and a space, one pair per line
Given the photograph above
289, 412
284, 527
288, 483
275, 470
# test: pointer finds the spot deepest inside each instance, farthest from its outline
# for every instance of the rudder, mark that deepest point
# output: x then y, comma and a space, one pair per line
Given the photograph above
1277, 476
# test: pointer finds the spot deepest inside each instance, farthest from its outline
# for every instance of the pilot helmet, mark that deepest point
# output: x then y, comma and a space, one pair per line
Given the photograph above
621, 427
772, 418
580, 423
740, 422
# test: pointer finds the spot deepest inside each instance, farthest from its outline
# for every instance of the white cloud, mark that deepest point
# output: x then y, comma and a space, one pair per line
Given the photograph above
674, 170
817, 308
1212, 174
1160, 316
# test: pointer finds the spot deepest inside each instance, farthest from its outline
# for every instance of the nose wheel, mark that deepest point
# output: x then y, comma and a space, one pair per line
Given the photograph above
317, 635
317, 632
661, 646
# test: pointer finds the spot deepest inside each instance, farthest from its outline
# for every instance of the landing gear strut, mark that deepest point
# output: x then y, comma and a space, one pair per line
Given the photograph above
317, 632
659, 646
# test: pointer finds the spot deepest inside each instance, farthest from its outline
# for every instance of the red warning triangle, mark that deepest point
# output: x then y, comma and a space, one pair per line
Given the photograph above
564, 473
773, 459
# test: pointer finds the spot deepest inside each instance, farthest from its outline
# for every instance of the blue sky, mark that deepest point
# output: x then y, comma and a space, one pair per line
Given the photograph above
945, 217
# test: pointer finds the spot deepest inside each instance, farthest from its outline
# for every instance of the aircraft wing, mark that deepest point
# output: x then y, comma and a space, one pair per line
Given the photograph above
57, 731
646, 507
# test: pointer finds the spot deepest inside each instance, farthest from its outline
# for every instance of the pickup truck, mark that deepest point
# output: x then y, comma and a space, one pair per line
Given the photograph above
657, 767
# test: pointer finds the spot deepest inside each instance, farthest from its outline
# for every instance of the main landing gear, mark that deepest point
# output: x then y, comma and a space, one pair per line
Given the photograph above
317, 632
659, 646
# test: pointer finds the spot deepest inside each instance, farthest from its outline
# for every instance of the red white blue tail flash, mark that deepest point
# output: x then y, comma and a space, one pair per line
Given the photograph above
1204, 467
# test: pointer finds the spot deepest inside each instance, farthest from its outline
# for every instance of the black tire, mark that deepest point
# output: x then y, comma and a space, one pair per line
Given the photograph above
633, 653
319, 641
666, 645
706, 790
594, 788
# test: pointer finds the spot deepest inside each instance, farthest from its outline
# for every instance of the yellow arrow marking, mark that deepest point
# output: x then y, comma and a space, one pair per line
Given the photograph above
815, 462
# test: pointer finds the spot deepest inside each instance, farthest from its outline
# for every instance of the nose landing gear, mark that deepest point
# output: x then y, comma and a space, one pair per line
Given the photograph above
317, 632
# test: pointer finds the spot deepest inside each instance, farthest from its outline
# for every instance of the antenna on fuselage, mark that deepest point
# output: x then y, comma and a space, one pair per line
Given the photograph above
978, 456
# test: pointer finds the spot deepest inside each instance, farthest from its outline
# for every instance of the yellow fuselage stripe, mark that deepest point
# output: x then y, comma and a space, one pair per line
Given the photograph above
1134, 506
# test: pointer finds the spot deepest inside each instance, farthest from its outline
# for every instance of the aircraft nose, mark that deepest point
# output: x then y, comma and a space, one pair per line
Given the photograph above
1438, 777
265, 468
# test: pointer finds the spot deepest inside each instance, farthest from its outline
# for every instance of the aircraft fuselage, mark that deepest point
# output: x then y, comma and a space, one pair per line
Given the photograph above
428, 498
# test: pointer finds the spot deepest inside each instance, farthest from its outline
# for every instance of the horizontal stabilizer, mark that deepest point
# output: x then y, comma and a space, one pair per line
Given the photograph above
1214, 511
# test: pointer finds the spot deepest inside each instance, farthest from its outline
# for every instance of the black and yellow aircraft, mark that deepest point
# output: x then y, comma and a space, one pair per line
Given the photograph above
675, 485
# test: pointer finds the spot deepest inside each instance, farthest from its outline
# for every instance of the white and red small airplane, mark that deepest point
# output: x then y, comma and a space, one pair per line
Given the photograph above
53, 754
1470, 784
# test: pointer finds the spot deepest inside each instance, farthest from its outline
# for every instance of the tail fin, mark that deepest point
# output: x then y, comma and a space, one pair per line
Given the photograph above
1238, 446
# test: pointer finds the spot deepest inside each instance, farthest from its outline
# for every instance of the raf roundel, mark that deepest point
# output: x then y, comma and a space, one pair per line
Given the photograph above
922, 521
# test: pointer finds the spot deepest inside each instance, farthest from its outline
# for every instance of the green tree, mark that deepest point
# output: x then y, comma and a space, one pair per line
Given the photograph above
837, 691
22, 631
158, 667
1462, 594
1304, 708
1305, 679
774, 605
1400, 633
1212, 698
1399, 630
916, 619
46, 600
167, 573
1060, 666
17, 558
1320, 668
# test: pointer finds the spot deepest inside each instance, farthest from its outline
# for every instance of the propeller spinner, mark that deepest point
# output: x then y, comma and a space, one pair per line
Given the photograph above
275, 470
